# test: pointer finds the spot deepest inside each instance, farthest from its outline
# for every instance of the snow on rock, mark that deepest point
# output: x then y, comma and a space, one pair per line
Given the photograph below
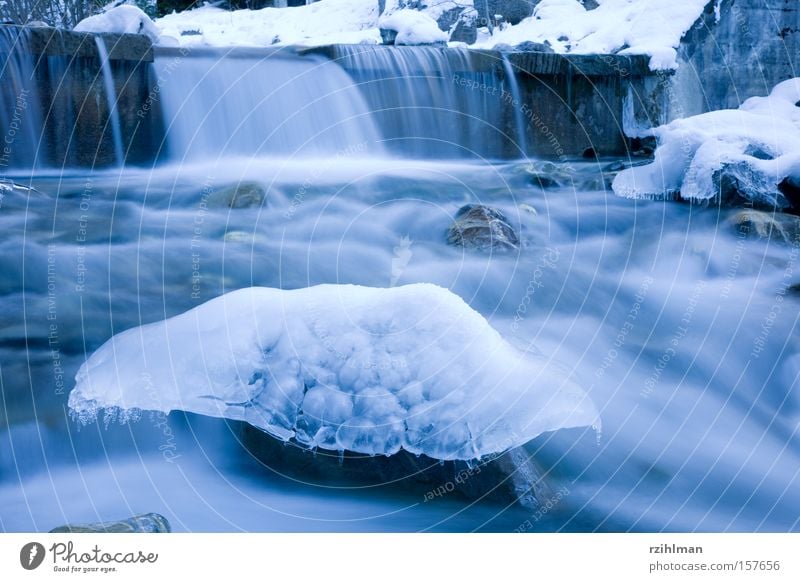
413, 28
627, 27
122, 19
323, 22
339, 367
751, 150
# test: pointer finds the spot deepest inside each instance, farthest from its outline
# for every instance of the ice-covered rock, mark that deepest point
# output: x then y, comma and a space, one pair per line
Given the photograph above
480, 227
339, 367
122, 19
242, 195
413, 28
750, 154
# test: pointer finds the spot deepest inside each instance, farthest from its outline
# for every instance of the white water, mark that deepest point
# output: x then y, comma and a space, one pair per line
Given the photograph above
434, 102
111, 99
683, 332
223, 104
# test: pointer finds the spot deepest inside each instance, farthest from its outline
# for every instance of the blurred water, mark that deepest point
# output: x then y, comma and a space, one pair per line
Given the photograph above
682, 330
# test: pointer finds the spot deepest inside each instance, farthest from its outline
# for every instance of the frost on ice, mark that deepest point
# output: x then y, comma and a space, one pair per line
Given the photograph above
756, 146
339, 367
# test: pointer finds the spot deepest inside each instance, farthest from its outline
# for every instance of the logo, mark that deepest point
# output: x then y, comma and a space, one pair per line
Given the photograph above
31, 555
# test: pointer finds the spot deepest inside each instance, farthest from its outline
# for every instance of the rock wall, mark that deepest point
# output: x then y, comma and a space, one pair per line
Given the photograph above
75, 118
750, 47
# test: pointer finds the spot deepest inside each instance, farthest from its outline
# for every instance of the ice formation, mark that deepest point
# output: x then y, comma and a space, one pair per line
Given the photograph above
339, 367
759, 141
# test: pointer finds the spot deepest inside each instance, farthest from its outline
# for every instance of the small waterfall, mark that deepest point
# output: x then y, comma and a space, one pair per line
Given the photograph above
433, 102
516, 104
20, 118
111, 98
219, 103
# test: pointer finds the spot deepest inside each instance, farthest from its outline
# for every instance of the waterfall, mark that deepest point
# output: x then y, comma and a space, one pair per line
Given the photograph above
20, 118
239, 103
516, 104
111, 98
432, 101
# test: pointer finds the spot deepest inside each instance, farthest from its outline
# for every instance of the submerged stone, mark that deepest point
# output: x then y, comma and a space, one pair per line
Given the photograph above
509, 478
146, 523
773, 226
241, 195
480, 227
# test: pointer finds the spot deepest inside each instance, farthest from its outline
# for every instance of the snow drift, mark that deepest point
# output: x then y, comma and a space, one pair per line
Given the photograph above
339, 367
757, 146
125, 19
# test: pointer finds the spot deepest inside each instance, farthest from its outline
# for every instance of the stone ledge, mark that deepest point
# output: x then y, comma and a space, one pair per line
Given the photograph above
53, 42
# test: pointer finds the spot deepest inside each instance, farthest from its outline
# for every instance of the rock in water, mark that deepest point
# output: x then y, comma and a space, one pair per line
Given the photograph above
479, 227
774, 226
241, 195
509, 478
147, 523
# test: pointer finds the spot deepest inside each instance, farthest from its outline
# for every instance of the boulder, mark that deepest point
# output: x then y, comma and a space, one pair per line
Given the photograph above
240, 195
512, 11
146, 523
773, 226
550, 175
739, 183
466, 28
480, 227
533, 47
509, 478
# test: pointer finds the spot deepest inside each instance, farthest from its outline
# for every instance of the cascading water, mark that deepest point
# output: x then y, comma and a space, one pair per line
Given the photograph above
20, 120
435, 102
516, 104
111, 98
222, 104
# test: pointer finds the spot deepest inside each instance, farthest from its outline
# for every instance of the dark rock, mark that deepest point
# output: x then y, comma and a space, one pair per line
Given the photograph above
547, 175
147, 523
479, 227
774, 226
512, 477
512, 11
388, 36
466, 29
241, 195
740, 184
533, 47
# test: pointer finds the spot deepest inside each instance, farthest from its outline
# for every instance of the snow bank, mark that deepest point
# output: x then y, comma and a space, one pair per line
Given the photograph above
339, 367
413, 28
122, 19
758, 143
324, 22
649, 27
